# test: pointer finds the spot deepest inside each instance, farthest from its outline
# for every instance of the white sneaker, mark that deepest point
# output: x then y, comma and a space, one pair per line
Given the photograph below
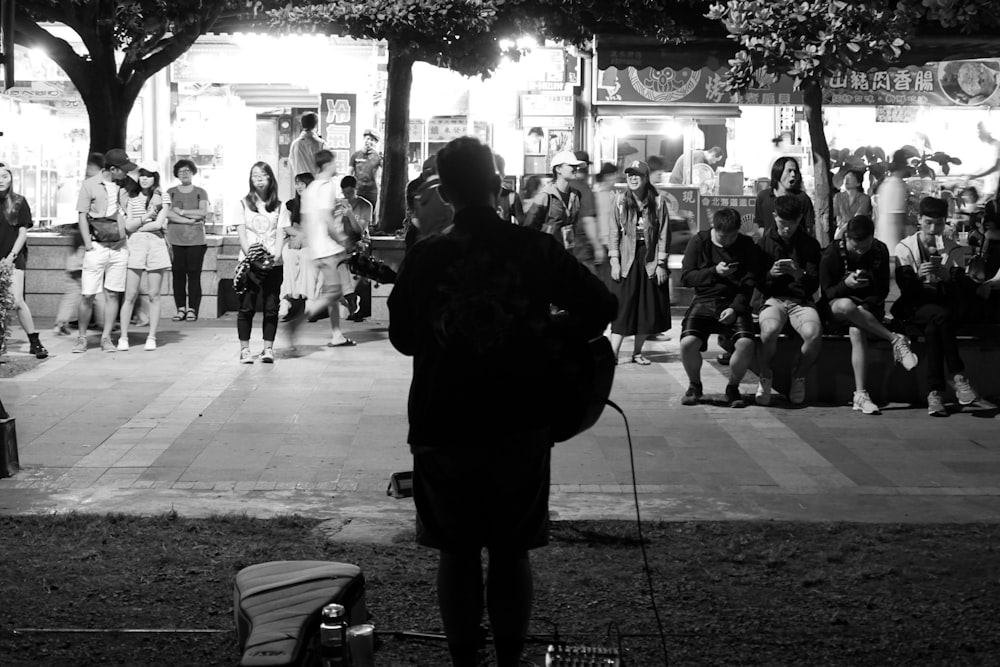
763, 395
902, 353
150, 344
123, 344
935, 405
864, 404
964, 392
797, 392
267, 355
246, 357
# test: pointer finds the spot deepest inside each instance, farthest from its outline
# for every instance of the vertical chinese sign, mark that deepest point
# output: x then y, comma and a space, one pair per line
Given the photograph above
338, 126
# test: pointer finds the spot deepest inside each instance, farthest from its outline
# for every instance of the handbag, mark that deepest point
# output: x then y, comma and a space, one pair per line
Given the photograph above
976, 270
104, 230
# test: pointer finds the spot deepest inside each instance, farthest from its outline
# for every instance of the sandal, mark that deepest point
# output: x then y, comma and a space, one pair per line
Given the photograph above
180, 316
347, 343
192, 315
641, 360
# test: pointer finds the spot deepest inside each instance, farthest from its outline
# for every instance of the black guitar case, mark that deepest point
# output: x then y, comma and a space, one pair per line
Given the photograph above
278, 606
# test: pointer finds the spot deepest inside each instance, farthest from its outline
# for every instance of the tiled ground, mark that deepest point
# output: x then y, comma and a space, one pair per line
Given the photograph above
187, 424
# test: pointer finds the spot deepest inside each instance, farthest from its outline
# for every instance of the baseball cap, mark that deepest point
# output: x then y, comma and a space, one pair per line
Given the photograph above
565, 157
371, 133
149, 166
117, 157
582, 156
637, 167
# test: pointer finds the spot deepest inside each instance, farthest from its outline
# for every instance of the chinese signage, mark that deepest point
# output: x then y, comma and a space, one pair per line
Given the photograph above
683, 86
745, 206
534, 104
884, 114
338, 126
952, 83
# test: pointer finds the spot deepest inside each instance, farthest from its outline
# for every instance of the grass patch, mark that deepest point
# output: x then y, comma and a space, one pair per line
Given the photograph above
752, 593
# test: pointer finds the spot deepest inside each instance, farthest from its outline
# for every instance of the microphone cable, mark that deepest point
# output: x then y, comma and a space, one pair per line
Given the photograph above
642, 540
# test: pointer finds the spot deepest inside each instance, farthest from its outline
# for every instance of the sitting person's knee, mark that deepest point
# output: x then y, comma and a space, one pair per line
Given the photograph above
744, 344
842, 308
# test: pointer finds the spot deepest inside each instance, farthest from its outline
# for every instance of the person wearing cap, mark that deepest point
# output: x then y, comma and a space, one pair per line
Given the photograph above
365, 166
102, 226
928, 268
302, 152
555, 209
589, 248
892, 201
640, 238
15, 220
145, 220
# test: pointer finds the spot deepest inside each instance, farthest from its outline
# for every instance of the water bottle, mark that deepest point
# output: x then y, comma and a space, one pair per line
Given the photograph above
333, 636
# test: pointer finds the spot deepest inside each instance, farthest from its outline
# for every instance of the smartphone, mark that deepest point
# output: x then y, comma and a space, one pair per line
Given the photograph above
733, 265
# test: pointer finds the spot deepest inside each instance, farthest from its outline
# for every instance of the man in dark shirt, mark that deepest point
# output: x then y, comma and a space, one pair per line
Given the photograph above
790, 277
365, 166
854, 275
721, 265
472, 307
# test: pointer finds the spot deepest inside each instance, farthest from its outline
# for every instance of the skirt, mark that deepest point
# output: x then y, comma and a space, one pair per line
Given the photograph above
643, 306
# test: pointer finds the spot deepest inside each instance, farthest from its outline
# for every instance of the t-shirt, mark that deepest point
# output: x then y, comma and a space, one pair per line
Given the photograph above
319, 201
184, 233
302, 153
892, 202
138, 207
10, 228
261, 225
365, 166
681, 172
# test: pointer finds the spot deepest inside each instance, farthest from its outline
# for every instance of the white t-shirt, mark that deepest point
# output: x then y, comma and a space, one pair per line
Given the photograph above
892, 202
261, 225
318, 203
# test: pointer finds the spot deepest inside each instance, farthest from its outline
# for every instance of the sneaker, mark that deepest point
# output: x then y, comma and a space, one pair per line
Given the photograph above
692, 395
38, 350
122, 344
763, 395
935, 405
108, 346
80, 346
150, 344
964, 392
734, 397
245, 356
902, 353
267, 355
61, 329
797, 392
864, 404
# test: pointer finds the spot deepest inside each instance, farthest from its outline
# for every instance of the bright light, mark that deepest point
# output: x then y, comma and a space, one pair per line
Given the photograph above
527, 42
673, 129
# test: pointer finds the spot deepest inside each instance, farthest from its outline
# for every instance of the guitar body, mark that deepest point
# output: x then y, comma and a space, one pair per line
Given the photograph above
585, 371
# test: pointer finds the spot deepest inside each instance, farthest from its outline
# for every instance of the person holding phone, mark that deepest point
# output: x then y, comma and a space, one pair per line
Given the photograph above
854, 275
791, 259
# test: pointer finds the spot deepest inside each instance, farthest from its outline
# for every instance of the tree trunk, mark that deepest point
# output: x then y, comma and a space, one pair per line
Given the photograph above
392, 199
813, 103
108, 110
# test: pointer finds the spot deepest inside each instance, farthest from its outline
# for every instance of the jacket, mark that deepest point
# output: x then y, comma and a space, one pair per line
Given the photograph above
836, 263
549, 214
623, 239
913, 289
802, 248
698, 270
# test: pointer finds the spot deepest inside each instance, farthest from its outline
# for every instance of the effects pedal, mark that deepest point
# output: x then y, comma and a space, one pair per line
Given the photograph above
579, 655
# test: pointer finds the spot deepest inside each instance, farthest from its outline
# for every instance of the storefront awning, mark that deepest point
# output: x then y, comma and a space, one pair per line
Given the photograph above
693, 111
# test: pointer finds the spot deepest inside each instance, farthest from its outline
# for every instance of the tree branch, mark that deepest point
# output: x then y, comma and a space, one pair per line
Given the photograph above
29, 34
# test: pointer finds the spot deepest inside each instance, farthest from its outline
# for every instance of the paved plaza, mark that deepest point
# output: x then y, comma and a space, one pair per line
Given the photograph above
319, 432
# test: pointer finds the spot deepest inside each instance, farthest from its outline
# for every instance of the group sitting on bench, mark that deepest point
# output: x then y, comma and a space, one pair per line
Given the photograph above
788, 280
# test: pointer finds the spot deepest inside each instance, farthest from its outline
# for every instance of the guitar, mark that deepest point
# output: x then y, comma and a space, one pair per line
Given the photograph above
584, 372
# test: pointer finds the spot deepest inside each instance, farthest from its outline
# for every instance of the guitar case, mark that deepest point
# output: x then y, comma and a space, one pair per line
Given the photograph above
278, 606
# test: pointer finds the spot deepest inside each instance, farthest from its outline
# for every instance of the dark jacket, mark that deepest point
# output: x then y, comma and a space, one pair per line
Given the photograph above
698, 270
802, 248
836, 263
472, 306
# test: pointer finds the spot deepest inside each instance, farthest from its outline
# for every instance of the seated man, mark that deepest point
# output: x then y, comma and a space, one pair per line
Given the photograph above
721, 265
790, 276
927, 264
854, 278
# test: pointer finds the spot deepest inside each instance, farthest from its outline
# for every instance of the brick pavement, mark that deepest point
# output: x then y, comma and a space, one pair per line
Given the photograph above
187, 427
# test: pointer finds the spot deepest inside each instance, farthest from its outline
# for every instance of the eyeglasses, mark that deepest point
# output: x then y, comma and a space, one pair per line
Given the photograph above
184, 171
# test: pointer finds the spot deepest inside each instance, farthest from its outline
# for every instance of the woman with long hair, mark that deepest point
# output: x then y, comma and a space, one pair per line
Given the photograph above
186, 218
145, 218
15, 219
850, 202
299, 280
259, 225
640, 238
786, 179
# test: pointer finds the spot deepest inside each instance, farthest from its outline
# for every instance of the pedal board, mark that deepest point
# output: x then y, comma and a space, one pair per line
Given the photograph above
581, 655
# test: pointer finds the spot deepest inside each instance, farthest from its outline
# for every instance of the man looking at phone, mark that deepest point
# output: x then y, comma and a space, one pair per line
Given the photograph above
854, 275
790, 259
721, 265
927, 264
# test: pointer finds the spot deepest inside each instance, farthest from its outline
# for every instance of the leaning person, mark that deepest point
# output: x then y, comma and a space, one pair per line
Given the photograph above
15, 220
854, 276
640, 238
790, 277
721, 265
927, 265
479, 421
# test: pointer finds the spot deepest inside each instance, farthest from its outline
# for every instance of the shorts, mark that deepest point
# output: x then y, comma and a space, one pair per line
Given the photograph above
877, 311
702, 320
335, 278
798, 314
475, 496
148, 252
103, 268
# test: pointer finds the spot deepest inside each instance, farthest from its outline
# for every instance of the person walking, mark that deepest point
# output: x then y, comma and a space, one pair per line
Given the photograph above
480, 423
640, 238
555, 209
186, 215
298, 280
145, 218
15, 220
258, 227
